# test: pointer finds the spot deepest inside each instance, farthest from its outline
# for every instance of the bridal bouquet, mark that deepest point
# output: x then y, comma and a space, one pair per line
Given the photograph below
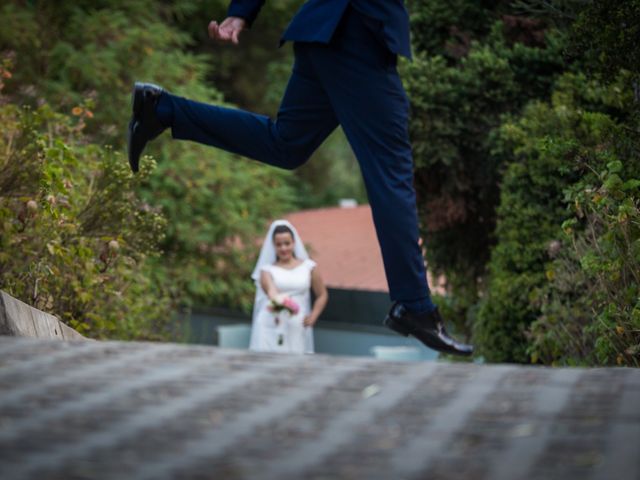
281, 303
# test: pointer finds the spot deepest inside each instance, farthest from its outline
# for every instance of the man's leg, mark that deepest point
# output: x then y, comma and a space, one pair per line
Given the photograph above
365, 91
370, 103
305, 118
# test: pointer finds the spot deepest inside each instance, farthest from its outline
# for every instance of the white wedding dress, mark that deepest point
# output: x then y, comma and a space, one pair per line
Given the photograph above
284, 332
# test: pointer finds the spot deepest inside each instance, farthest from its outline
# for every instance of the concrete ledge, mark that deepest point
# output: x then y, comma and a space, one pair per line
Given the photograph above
17, 319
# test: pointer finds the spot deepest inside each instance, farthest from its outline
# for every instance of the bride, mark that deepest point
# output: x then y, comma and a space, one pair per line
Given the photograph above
284, 276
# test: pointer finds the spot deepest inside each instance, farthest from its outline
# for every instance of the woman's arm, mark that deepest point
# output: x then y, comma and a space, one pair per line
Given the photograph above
322, 297
269, 287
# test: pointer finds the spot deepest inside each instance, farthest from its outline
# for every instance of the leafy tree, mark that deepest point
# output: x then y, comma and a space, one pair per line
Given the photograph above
474, 64
218, 204
604, 34
511, 140
75, 53
577, 301
447, 28
86, 68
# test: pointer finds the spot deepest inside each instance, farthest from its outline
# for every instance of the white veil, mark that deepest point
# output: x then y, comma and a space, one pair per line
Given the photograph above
268, 257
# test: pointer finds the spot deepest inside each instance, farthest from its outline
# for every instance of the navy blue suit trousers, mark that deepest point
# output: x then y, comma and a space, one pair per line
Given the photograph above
351, 81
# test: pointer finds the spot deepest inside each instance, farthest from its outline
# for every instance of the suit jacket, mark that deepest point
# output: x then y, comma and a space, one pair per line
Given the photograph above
317, 20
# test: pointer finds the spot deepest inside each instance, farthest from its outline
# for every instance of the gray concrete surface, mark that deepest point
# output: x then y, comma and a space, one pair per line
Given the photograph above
114, 410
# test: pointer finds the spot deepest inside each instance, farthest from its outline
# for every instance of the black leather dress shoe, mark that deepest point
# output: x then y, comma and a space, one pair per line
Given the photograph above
426, 327
144, 125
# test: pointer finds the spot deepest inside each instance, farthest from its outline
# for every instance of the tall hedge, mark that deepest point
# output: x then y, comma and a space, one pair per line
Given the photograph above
578, 301
474, 63
562, 286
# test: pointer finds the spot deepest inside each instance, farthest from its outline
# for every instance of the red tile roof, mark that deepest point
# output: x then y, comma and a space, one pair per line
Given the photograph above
344, 244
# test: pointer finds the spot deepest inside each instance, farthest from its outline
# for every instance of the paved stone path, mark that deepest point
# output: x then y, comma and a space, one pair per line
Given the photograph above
114, 410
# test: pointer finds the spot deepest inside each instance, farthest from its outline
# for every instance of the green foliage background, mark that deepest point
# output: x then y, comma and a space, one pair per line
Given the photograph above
525, 130
209, 206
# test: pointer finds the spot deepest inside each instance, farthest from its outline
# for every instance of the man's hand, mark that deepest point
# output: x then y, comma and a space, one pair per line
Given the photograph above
227, 31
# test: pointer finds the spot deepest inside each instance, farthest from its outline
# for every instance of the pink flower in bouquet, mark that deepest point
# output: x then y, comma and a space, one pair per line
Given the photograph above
291, 306
283, 303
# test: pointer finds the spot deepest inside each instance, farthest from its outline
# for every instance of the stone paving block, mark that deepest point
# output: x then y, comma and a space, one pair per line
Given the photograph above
115, 410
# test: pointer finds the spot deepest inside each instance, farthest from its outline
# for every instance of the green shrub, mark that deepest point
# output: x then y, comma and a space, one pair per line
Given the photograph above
75, 239
557, 150
590, 311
